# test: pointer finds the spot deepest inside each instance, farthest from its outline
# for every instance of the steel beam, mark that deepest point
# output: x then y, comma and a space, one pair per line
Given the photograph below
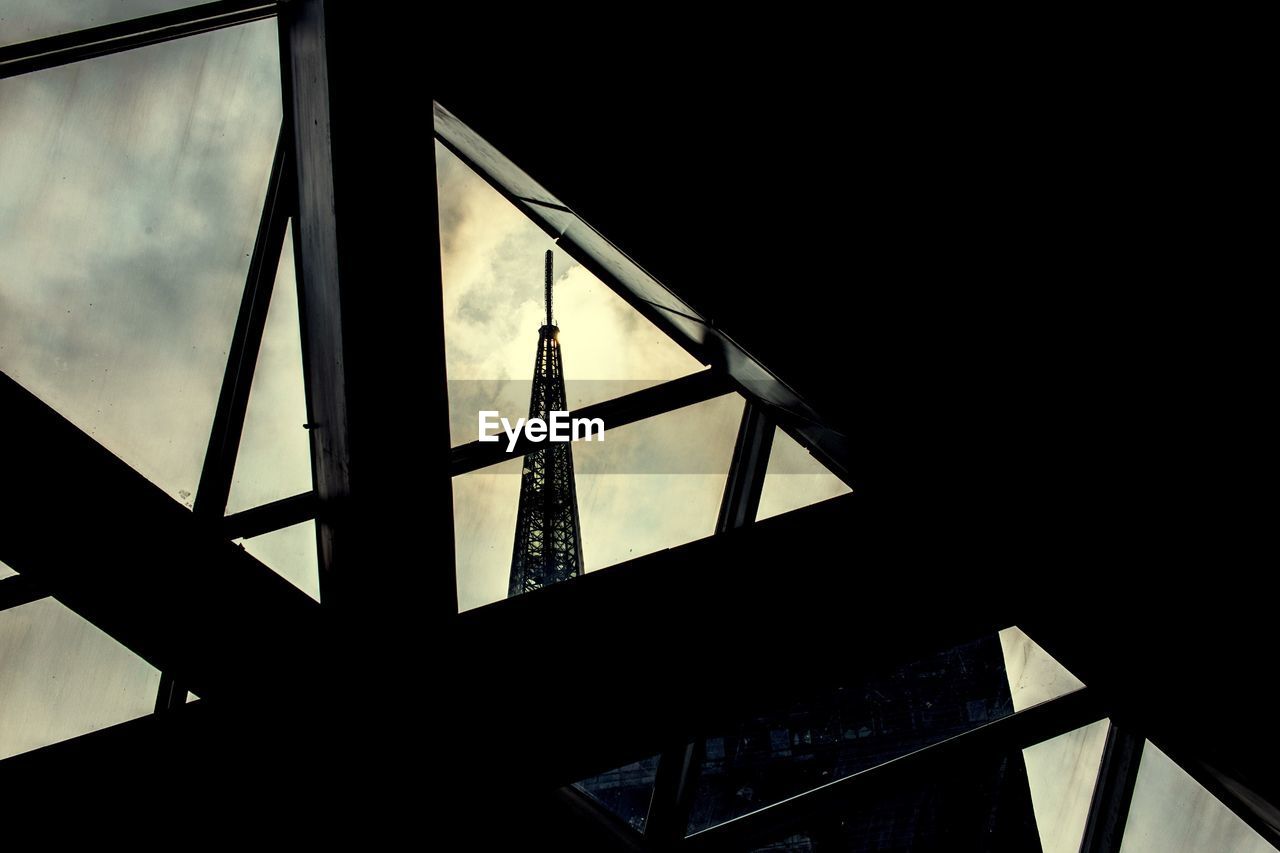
372, 315
305, 77
678, 767
695, 597
748, 469
276, 515
137, 564
1113, 791
88, 43
246, 340
673, 790
19, 590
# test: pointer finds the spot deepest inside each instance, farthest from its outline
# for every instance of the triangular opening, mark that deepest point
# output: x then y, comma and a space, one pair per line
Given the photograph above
133, 186
61, 677
794, 479
1061, 773
5, 571
493, 276
291, 553
1173, 813
1034, 675
274, 460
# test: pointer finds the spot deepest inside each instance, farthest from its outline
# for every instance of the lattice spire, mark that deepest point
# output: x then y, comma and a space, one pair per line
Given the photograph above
548, 542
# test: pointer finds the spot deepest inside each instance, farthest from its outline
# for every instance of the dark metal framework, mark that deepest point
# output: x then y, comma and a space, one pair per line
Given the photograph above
138, 603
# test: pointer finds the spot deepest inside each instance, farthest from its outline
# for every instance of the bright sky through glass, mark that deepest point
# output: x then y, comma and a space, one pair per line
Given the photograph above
130, 193
650, 485
60, 677
492, 266
26, 20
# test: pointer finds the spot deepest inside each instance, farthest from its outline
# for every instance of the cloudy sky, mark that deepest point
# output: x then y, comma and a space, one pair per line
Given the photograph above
130, 191
24, 20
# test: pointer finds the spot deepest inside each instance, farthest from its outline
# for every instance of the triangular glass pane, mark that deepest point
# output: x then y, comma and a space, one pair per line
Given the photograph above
61, 677
794, 479
132, 187
492, 267
1034, 675
26, 20
291, 553
274, 460
1173, 813
1062, 772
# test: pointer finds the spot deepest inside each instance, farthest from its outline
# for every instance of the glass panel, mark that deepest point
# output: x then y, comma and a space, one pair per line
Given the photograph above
1062, 773
1034, 676
6, 572
625, 791
649, 485
274, 460
492, 267
798, 843
1173, 813
133, 185
782, 751
794, 479
656, 483
981, 806
484, 523
61, 677
291, 553
24, 20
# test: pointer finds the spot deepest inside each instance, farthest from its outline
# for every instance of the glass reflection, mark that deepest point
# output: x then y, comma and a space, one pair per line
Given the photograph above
779, 752
981, 806
625, 791
782, 751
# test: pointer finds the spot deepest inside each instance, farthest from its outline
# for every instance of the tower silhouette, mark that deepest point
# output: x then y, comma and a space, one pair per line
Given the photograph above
548, 542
